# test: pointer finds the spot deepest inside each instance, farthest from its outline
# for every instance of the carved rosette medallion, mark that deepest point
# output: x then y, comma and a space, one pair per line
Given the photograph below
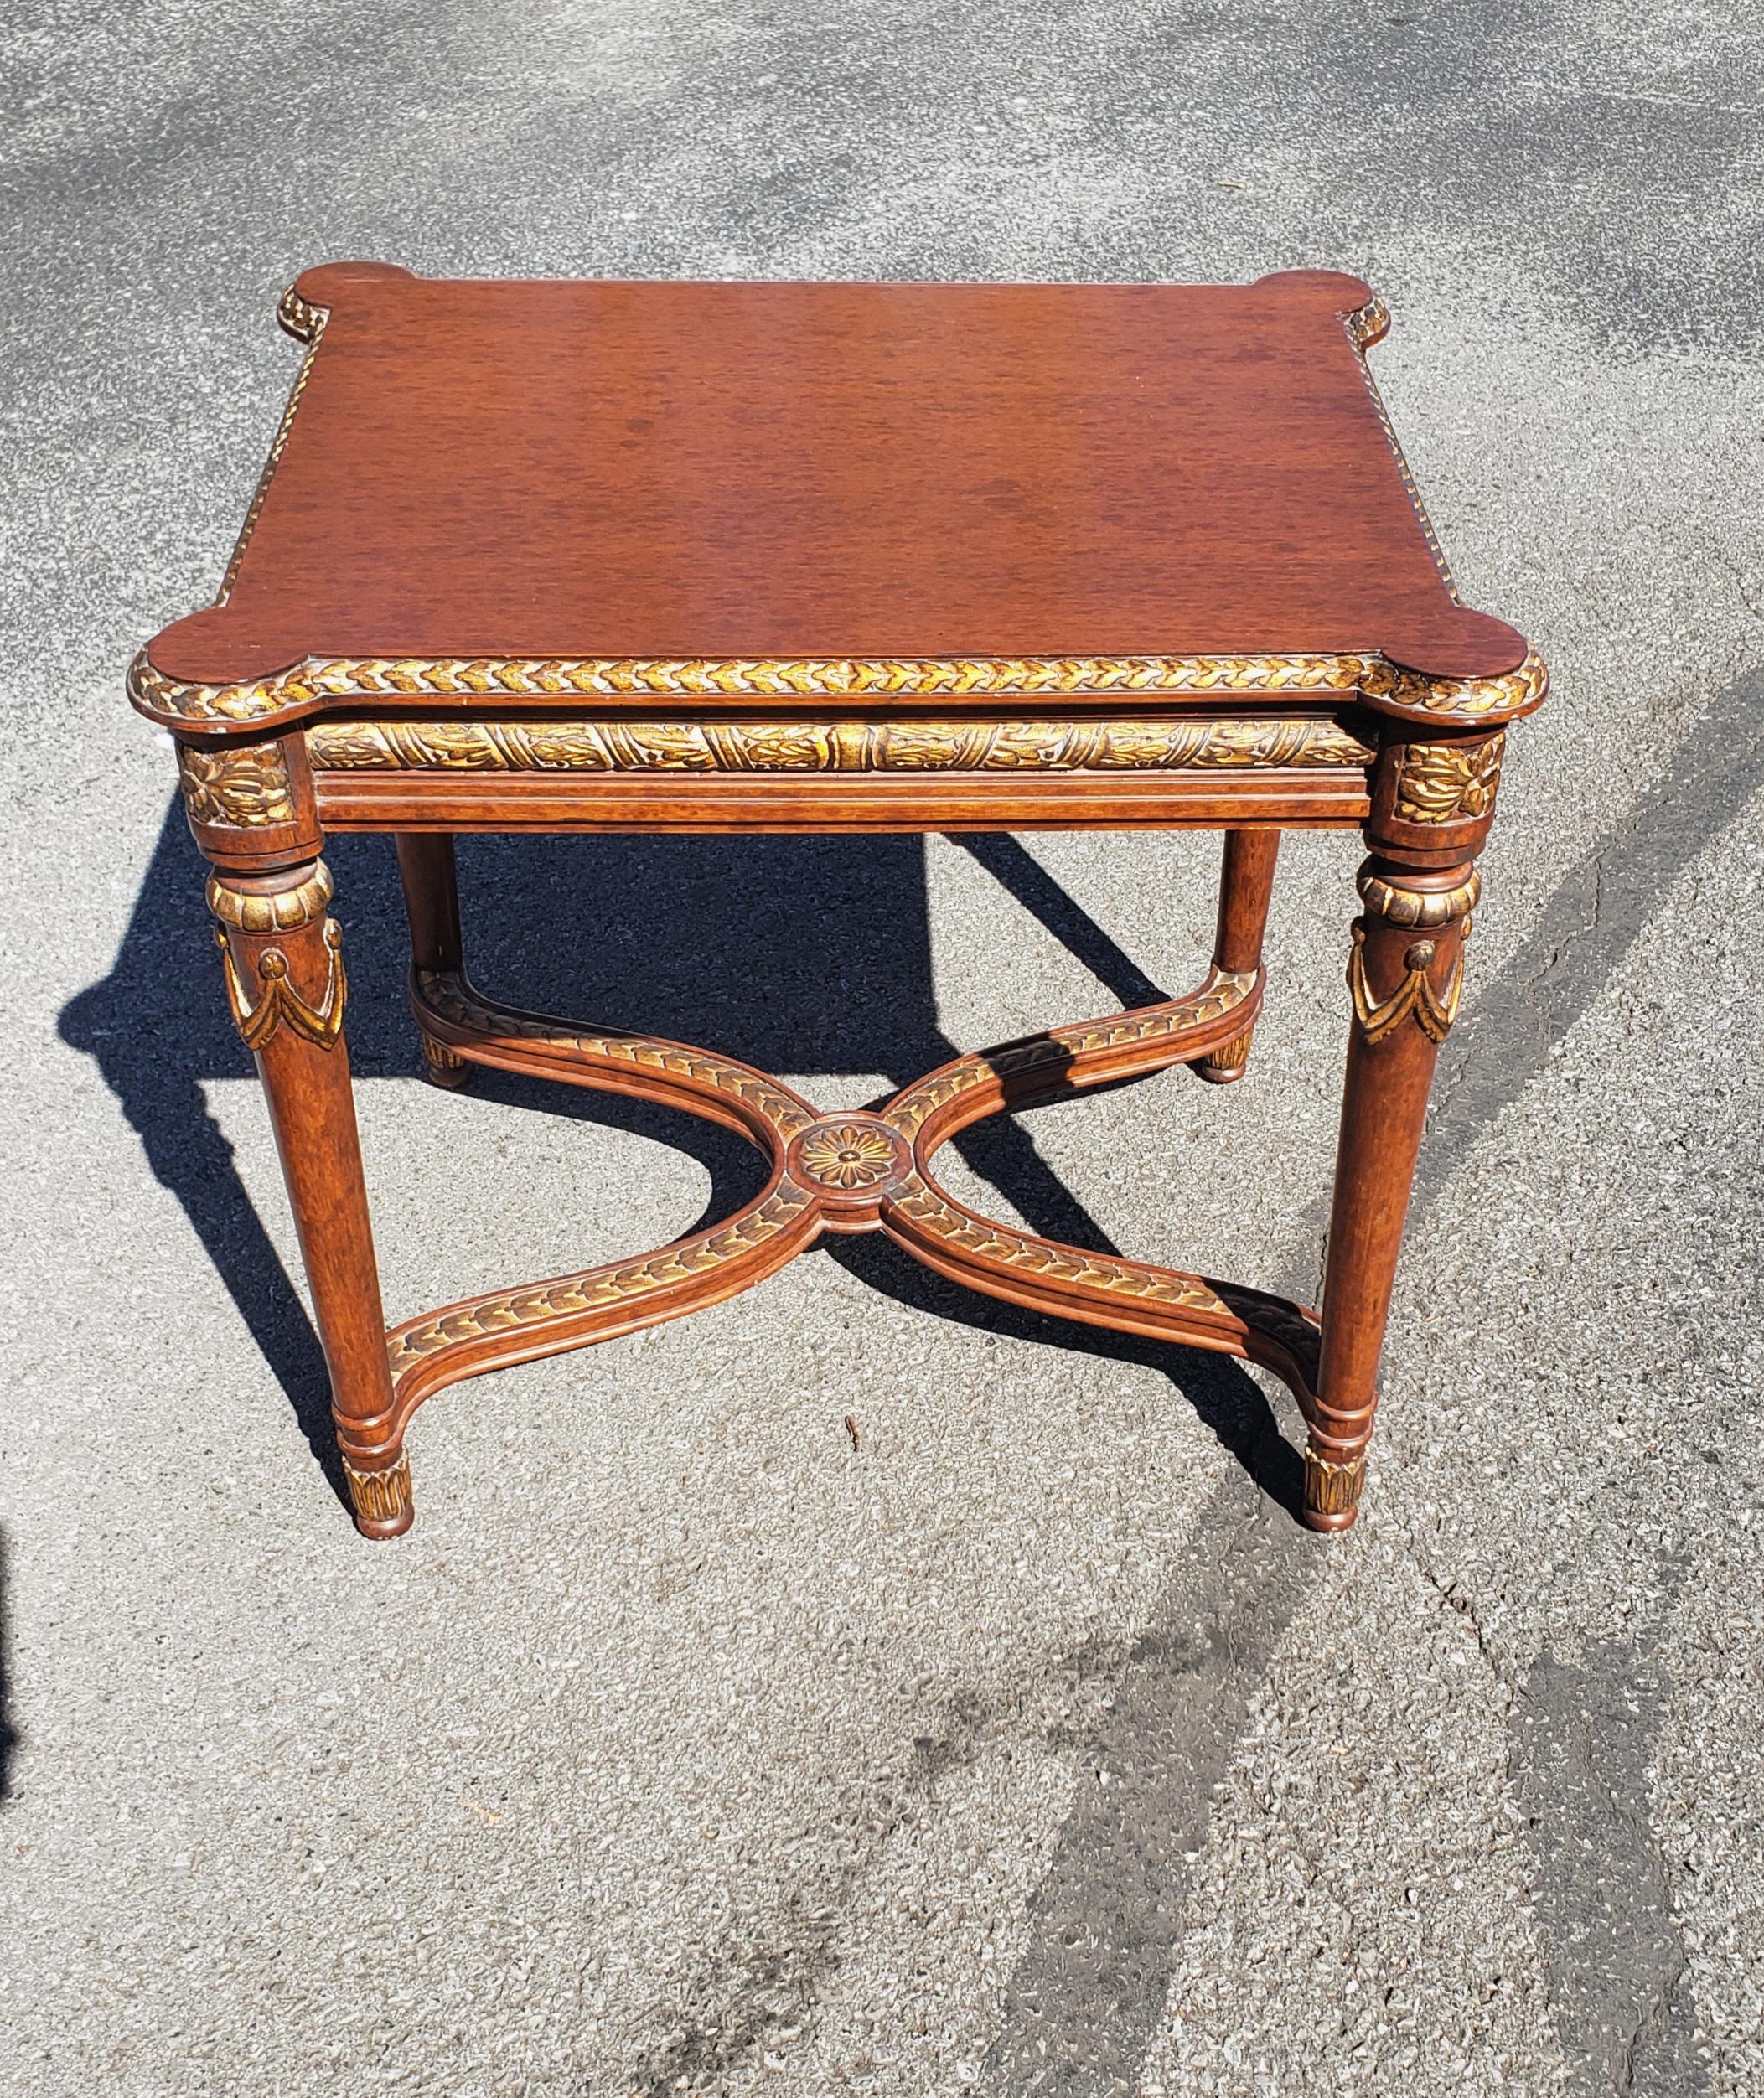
851, 1154
849, 1160
1449, 782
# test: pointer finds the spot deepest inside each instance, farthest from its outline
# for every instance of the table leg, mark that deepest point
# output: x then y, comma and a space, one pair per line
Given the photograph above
1245, 888
285, 981
1405, 973
426, 866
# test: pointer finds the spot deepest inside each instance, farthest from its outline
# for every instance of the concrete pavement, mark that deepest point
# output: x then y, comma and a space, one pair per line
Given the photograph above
1028, 1747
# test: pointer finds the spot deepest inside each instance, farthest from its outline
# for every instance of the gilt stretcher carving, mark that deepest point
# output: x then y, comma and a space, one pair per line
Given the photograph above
850, 1172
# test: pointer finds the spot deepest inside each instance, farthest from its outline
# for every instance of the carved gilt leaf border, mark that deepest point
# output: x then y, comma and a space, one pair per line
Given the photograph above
342, 680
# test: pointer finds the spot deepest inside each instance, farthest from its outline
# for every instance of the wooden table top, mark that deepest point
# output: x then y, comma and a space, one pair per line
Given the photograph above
863, 475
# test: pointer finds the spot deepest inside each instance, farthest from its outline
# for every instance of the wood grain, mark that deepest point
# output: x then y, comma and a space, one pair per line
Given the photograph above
665, 470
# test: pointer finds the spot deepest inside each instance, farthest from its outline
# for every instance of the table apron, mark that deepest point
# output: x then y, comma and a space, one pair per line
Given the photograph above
457, 800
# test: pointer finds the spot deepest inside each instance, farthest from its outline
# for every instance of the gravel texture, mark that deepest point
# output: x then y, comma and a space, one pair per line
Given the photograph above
1026, 1747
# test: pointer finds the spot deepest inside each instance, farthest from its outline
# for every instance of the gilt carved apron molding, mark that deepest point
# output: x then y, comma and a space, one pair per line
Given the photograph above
830, 747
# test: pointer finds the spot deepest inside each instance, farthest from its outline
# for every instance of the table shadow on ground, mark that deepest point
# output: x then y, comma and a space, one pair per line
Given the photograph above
794, 954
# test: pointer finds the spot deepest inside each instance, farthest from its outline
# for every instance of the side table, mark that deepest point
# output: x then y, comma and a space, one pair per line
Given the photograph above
635, 557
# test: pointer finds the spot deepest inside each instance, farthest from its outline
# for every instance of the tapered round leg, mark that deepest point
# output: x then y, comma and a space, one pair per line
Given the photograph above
1245, 887
282, 958
1405, 973
426, 867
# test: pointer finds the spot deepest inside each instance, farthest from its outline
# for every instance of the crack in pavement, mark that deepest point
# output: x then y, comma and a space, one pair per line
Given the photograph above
1589, 924
1456, 1600
1582, 1737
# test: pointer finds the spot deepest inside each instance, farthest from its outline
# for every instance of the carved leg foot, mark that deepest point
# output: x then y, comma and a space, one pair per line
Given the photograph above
381, 1499
1332, 1491
444, 1067
1224, 1067
1245, 886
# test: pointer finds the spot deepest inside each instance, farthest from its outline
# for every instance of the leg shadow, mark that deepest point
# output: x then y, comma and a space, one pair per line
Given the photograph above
157, 1027
1016, 870
797, 955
